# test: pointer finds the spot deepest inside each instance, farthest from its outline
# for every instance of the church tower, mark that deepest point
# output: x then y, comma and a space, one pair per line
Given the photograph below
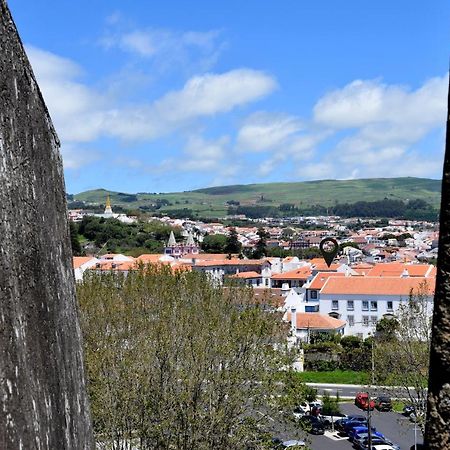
108, 209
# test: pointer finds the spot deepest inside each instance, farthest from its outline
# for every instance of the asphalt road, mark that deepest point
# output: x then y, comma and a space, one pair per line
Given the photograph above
393, 425
350, 390
345, 390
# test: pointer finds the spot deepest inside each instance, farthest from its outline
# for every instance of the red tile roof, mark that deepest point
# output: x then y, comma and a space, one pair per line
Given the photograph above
232, 262
298, 274
396, 269
206, 256
320, 279
377, 285
246, 275
316, 321
78, 261
149, 258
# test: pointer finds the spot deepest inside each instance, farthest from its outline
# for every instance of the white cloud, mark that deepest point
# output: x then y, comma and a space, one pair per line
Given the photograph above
140, 42
166, 50
370, 102
82, 114
384, 123
199, 148
317, 171
151, 42
285, 137
75, 158
263, 131
210, 94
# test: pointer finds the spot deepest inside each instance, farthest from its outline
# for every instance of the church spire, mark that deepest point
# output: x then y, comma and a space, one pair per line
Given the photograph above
190, 240
108, 209
171, 242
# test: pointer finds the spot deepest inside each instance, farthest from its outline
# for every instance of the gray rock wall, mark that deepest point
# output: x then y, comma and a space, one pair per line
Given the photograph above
42, 388
437, 433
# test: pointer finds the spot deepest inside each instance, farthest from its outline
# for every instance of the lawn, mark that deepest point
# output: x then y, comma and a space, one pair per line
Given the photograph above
335, 377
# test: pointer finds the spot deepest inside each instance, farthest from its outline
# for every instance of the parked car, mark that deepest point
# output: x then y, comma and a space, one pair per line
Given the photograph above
361, 435
362, 429
348, 426
389, 442
408, 409
339, 424
316, 403
300, 411
328, 420
312, 424
384, 447
293, 443
362, 401
383, 403
364, 444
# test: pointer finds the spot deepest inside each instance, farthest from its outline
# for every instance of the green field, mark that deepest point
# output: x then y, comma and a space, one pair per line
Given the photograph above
335, 377
212, 202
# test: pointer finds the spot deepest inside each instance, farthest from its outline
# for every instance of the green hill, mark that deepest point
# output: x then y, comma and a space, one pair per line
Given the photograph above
212, 202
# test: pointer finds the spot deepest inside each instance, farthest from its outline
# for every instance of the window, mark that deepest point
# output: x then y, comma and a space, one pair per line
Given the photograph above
350, 305
373, 306
373, 320
365, 321
335, 304
351, 320
365, 305
314, 295
390, 306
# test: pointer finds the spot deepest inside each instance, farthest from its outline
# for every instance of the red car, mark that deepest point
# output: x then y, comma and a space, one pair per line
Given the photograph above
362, 401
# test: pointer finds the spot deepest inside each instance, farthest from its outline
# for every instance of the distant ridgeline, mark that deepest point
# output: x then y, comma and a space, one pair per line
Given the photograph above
412, 210
403, 198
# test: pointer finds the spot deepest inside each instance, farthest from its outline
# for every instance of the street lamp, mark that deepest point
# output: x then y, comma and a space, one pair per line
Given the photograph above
369, 418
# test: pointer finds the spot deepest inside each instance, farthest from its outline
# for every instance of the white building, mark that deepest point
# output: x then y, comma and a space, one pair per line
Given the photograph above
217, 270
362, 301
303, 325
82, 263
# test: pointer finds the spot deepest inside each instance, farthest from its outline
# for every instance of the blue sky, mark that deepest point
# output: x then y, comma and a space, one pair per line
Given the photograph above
177, 95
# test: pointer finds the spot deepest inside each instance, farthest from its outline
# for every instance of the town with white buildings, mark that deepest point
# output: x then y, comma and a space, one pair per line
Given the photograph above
381, 267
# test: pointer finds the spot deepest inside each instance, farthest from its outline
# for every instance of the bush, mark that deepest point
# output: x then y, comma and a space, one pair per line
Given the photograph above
321, 366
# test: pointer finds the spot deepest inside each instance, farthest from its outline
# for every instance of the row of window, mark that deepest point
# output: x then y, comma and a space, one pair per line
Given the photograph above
366, 321
373, 305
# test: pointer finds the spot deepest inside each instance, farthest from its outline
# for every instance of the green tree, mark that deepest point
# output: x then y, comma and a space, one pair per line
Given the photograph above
214, 243
404, 360
74, 241
233, 245
174, 362
261, 246
386, 329
330, 406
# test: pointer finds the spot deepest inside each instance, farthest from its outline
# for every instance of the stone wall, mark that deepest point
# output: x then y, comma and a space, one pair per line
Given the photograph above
42, 386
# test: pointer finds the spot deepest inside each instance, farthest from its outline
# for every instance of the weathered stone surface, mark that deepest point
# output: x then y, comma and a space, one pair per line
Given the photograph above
42, 388
437, 435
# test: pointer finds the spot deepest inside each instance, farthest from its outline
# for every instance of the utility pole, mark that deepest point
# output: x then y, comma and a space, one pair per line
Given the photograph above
369, 422
437, 431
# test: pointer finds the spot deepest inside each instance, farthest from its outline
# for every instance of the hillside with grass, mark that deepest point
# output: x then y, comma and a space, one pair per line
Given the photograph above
301, 196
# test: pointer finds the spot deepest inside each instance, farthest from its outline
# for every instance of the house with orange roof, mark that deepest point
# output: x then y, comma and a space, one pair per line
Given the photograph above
305, 324
293, 278
193, 258
251, 278
363, 300
81, 264
313, 287
151, 258
398, 269
217, 270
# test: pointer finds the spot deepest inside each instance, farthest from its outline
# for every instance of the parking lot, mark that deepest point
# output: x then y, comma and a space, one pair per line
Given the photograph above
394, 426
